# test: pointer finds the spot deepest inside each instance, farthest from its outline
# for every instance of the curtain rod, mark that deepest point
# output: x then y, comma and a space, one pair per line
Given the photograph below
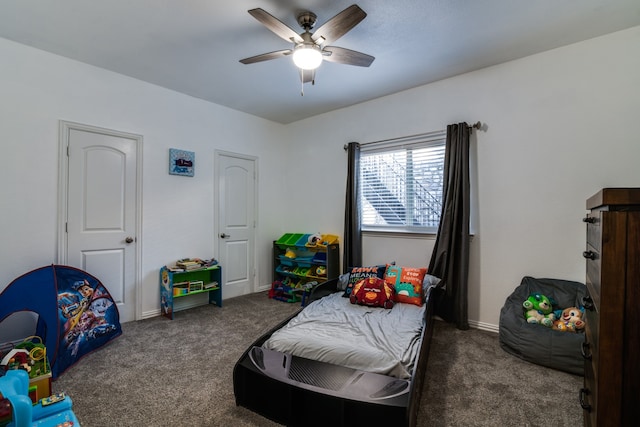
476, 125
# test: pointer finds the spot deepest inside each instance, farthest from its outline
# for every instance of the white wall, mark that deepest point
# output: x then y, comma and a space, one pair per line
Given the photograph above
38, 89
560, 126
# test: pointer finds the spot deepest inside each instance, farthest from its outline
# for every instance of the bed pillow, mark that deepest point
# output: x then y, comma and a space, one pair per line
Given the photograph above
429, 282
372, 292
343, 279
358, 273
407, 283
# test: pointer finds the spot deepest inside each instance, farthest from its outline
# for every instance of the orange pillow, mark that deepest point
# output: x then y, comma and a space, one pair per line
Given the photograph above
406, 282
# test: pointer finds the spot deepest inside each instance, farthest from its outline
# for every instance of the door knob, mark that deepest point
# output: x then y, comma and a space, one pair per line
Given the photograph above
129, 239
224, 236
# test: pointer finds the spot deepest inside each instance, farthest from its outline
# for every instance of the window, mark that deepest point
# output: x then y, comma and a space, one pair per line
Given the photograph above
401, 184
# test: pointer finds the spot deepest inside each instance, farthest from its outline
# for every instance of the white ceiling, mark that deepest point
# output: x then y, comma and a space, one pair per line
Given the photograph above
193, 46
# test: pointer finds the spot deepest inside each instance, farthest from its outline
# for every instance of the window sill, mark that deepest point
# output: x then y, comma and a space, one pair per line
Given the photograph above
404, 234
400, 234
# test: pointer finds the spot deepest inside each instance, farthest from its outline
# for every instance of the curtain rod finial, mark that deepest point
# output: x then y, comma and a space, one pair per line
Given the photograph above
476, 125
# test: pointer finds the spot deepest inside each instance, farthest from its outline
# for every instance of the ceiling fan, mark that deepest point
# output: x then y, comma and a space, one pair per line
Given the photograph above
310, 49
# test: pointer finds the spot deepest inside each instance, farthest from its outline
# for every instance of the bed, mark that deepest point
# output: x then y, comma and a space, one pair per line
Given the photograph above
332, 364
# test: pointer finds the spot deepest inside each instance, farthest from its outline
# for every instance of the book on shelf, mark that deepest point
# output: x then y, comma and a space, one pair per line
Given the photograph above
188, 265
181, 269
195, 285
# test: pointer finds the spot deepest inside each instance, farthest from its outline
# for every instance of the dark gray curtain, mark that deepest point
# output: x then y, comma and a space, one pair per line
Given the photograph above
450, 257
352, 234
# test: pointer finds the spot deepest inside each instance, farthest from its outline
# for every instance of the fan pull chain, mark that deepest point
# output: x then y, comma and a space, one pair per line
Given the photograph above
301, 82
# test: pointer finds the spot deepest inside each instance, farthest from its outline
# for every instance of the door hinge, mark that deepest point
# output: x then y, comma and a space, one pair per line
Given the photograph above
67, 151
66, 227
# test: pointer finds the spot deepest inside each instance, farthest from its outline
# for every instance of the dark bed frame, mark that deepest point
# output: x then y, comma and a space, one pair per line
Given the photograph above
307, 394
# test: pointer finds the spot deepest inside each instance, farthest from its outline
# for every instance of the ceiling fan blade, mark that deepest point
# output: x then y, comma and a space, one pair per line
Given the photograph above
339, 25
347, 56
266, 56
275, 25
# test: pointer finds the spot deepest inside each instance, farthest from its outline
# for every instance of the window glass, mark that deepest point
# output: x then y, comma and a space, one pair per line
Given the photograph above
401, 186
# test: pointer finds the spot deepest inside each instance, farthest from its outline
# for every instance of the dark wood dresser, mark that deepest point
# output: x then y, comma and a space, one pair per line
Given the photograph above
611, 393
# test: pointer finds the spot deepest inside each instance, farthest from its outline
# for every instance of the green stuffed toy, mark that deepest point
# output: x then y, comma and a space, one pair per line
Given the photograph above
538, 309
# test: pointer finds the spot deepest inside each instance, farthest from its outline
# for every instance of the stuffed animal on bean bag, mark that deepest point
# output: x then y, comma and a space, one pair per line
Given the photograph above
570, 320
538, 309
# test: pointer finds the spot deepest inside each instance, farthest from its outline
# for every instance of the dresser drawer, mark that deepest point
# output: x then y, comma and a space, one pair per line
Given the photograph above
594, 231
589, 396
593, 273
591, 344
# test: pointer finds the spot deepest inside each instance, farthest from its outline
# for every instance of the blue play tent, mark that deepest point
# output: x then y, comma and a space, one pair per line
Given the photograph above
76, 313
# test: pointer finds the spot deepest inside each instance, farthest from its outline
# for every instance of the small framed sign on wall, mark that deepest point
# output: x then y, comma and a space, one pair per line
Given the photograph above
181, 162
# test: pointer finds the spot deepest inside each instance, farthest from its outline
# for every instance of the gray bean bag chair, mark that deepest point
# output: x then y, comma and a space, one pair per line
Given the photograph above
536, 343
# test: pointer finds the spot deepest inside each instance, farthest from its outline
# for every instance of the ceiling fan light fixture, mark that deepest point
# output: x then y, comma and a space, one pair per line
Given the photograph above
307, 56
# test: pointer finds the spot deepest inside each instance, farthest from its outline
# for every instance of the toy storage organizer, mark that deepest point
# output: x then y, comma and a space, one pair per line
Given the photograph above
300, 262
178, 284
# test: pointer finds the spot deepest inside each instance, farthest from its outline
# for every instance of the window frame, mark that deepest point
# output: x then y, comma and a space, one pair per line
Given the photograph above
431, 139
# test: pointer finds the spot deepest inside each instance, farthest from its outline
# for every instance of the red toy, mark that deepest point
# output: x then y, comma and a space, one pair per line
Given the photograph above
374, 292
16, 359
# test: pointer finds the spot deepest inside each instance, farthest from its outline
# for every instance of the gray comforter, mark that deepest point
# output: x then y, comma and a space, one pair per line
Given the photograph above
371, 339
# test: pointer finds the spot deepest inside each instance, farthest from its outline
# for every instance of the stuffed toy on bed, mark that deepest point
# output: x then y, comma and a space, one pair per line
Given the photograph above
374, 292
538, 309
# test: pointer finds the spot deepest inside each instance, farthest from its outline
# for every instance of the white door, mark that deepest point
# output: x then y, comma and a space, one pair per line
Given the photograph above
102, 209
236, 195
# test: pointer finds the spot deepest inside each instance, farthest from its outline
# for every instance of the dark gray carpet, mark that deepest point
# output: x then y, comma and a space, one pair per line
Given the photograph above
179, 373
471, 381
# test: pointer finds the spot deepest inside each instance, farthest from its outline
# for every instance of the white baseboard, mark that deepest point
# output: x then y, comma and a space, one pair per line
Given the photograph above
150, 314
477, 325
483, 326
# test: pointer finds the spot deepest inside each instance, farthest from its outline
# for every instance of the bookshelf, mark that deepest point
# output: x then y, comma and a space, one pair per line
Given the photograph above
176, 283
